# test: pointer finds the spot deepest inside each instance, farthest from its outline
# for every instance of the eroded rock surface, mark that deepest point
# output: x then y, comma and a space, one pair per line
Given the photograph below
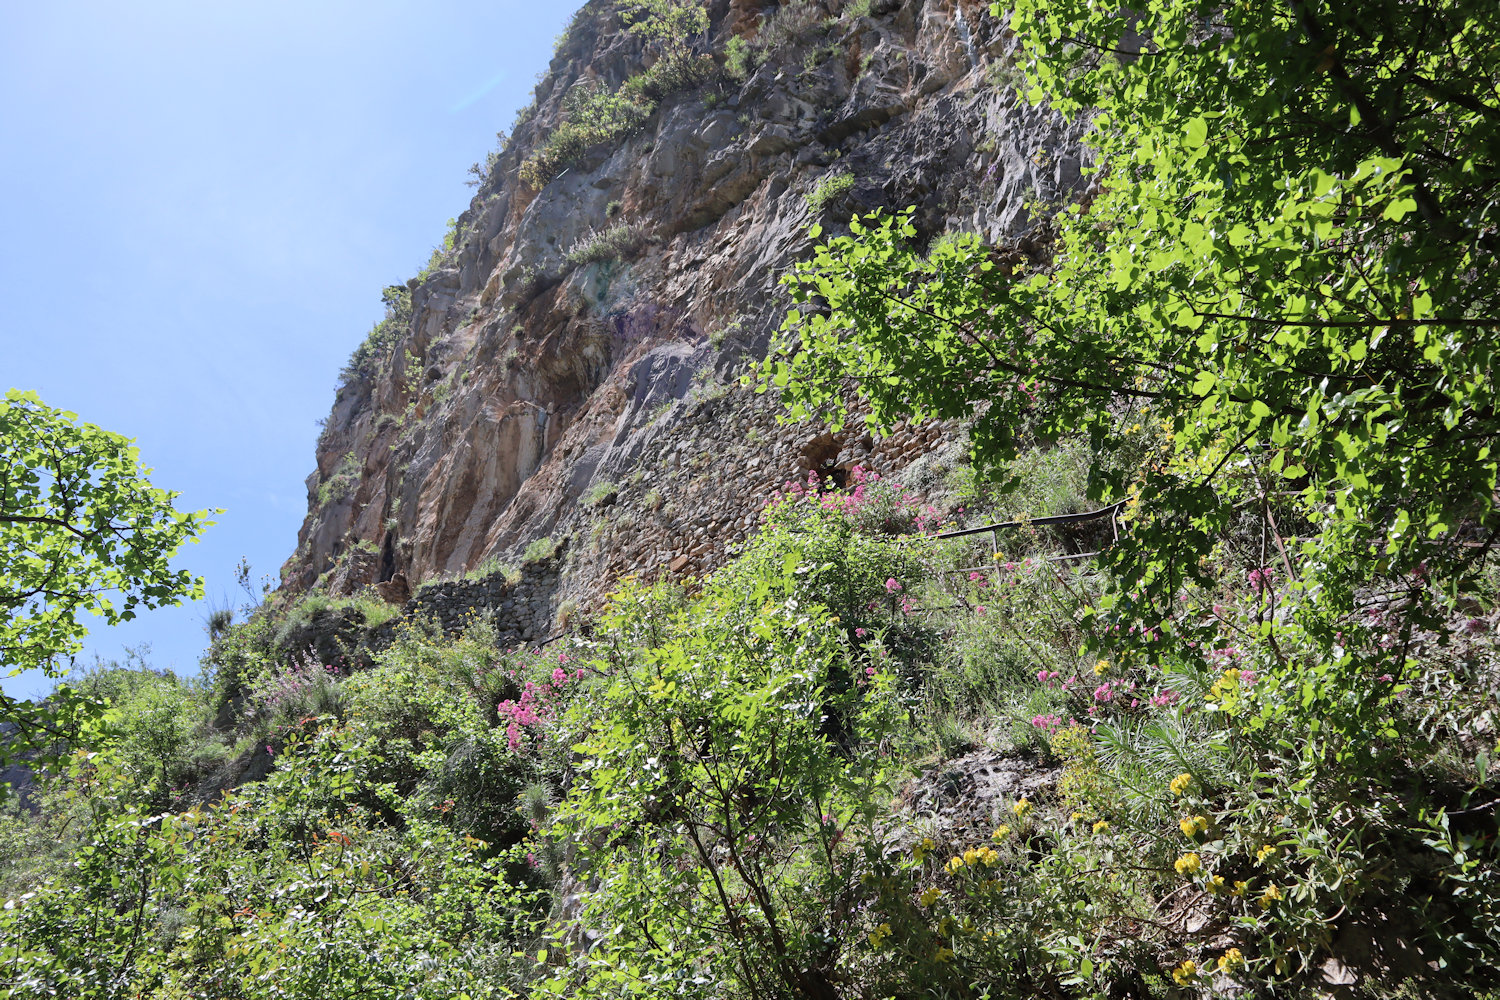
597, 404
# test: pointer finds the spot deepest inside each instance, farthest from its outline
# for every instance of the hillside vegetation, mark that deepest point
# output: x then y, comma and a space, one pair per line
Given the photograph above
1234, 737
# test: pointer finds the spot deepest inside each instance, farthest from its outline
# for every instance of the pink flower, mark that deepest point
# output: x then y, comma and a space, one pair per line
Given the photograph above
559, 676
1103, 692
1165, 698
979, 609
861, 632
891, 586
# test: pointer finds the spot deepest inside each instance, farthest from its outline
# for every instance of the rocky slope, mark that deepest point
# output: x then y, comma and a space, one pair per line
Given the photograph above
595, 403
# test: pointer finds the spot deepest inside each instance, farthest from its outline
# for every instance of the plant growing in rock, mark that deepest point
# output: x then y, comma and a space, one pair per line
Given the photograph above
540, 550
618, 241
590, 116
828, 192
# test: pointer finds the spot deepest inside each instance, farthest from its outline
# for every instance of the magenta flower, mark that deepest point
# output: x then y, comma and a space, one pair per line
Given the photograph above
891, 586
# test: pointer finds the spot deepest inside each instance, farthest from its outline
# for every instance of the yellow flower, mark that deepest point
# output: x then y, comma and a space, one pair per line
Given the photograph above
1231, 960
1077, 816
879, 934
989, 856
1101, 666
955, 863
971, 856
1180, 783
1240, 888
1022, 806
1188, 864
930, 896
946, 925
1185, 973
1191, 826
943, 955
1215, 884
1270, 896
1001, 832
1266, 851
1101, 826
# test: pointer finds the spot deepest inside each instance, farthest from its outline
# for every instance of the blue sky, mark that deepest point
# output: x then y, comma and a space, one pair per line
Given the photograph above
199, 205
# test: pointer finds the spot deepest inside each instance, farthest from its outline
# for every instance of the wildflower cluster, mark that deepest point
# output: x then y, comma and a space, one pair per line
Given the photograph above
872, 504
539, 699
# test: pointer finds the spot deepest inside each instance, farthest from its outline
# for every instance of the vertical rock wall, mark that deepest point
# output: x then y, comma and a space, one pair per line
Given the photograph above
597, 404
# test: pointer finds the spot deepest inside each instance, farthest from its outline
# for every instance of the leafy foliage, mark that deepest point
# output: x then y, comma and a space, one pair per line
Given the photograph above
1281, 275
828, 191
82, 531
590, 116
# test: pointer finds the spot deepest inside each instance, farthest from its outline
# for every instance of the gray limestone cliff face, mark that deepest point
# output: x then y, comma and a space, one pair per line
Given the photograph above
597, 404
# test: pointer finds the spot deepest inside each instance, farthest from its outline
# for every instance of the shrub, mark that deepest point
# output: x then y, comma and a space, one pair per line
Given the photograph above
610, 244
540, 550
341, 482
828, 191
670, 75
601, 493
495, 566
737, 58
369, 357
590, 116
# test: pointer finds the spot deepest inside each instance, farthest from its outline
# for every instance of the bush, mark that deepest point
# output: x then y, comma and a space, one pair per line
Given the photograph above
495, 566
341, 482
601, 493
828, 191
670, 75
540, 550
369, 357
737, 59
590, 117
610, 244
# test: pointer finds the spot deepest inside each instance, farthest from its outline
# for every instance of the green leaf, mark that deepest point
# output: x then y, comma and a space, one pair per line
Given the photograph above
1195, 133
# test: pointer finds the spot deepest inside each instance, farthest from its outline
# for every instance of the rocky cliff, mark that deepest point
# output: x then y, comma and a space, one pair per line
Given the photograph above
567, 370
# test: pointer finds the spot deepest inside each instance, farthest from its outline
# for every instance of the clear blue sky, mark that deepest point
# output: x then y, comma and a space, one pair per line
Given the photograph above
199, 205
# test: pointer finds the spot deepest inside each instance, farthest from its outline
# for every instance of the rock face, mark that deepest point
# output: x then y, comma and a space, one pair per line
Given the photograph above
596, 403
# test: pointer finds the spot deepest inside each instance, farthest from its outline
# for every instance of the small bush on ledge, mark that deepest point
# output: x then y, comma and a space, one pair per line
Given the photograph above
606, 244
540, 550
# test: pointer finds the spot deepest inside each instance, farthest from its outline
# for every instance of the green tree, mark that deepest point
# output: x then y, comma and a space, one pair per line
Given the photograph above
81, 531
1284, 267
1281, 281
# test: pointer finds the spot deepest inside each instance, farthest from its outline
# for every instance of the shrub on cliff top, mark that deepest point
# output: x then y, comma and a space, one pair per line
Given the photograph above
365, 363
